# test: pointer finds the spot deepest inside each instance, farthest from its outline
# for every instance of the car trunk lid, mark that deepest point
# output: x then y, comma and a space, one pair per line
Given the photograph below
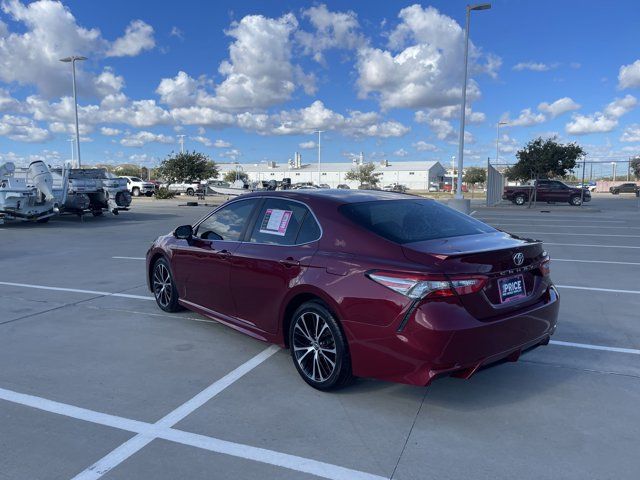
496, 256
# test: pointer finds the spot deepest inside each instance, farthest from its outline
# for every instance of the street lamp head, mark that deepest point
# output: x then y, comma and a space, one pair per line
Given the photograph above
73, 58
503, 123
480, 6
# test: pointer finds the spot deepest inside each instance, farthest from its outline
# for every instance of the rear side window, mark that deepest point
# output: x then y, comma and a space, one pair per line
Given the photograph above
406, 221
309, 231
279, 222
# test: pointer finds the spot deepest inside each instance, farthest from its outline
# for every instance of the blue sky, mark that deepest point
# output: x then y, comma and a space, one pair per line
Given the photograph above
251, 81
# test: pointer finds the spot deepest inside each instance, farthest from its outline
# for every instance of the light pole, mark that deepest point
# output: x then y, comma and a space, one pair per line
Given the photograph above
453, 173
181, 143
613, 165
498, 137
73, 60
71, 140
319, 132
470, 8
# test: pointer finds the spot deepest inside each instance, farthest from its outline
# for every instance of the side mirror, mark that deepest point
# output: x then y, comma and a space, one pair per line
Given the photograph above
183, 232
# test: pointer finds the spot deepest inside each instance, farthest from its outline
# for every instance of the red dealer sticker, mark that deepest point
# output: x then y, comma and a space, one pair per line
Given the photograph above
275, 222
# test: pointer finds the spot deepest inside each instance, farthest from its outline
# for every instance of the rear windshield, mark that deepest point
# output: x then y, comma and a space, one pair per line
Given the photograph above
406, 221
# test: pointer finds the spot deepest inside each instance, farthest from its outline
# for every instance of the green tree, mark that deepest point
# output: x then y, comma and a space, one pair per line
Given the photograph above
187, 167
233, 175
545, 159
635, 167
475, 175
365, 174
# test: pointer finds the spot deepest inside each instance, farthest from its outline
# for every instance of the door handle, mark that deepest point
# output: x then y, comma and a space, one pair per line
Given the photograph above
290, 262
223, 253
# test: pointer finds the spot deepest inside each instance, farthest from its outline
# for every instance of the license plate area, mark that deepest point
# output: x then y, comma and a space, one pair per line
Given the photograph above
511, 288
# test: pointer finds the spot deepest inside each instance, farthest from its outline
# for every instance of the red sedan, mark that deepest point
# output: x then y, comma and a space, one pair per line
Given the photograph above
361, 283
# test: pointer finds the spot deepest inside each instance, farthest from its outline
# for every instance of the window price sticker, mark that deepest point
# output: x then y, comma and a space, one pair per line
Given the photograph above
275, 222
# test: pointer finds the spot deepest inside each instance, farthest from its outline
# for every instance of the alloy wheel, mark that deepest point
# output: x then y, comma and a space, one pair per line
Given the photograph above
162, 288
314, 347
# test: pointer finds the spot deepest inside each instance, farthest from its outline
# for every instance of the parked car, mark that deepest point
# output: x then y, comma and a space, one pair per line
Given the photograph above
370, 284
625, 188
547, 191
190, 188
447, 188
325, 185
395, 187
343, 186
137, 186
591, 186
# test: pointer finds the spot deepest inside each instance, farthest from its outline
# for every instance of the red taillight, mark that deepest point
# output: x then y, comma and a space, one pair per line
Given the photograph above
545, 267
421, 286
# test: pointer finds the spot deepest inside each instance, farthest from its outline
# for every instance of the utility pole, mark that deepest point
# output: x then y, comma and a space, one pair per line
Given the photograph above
319, 132
181, 143
73, 61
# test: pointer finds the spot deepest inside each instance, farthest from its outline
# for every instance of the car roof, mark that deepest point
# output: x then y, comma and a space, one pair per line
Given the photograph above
335, 195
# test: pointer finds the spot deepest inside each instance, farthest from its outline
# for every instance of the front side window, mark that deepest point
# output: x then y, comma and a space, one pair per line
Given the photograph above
406, 221
279, 222
227, 223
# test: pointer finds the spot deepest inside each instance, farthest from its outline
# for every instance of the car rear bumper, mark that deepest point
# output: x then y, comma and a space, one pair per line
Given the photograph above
442, 339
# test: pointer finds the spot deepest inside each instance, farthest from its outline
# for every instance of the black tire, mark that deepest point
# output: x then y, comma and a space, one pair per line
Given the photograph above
616, 192
575, 201
148, 194
163, 287
313, 352
520, 199
135, 192
96, 213
190, 192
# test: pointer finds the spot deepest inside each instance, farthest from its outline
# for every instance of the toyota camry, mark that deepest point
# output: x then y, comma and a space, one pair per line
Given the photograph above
361, 283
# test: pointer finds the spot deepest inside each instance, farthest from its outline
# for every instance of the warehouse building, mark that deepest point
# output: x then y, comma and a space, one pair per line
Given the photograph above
415, 175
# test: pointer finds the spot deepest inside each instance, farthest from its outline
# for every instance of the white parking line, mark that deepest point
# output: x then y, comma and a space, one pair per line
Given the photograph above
129, 258
632, 351
501, 224
594, 289
75, 290
592, 261
130, 447
588, 245
152, 431
581, 234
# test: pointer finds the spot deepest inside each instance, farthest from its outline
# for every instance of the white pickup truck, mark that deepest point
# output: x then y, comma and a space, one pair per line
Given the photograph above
138, 187
183, 187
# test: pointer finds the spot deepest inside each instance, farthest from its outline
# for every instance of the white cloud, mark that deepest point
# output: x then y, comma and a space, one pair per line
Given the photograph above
7, 102
533, 66
560, 106
221, 144
629, 75
427, 69
203, 140
308, 145
318, 117
179, 91
176, 32
109, 132
602, 122
423, 146
620, 106
137, 37
596, 123
232, 154
141, 138
526, 118
401, 153
259, 73
22, 129
631, 133
46, 32
332, 30
202, 116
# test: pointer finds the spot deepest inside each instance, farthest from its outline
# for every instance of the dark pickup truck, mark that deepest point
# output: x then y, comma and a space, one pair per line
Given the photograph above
547, 191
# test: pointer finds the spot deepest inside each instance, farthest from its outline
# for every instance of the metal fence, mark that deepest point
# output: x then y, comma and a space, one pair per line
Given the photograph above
495, 186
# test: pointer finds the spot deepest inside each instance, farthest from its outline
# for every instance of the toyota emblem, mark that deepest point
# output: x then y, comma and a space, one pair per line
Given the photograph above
518, 259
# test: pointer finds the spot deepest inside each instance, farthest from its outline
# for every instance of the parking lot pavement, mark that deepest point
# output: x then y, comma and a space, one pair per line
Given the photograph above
96, 385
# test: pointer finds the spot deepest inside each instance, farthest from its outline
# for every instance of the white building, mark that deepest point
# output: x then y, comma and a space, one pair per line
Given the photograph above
416, 175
